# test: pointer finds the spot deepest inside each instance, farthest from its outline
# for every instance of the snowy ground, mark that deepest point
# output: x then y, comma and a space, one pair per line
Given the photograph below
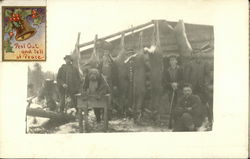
45, 125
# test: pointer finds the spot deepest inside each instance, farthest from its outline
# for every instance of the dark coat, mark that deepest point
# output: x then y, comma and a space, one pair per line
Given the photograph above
196, 112
196, 72
168, 79
68, 74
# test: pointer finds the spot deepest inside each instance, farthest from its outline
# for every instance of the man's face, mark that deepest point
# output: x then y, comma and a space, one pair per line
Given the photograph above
187, 91
173, 61
67, 60
93, 74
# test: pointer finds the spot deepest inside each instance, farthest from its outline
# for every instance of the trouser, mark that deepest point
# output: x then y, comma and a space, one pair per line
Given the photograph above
73, 103
98, 112
184, 123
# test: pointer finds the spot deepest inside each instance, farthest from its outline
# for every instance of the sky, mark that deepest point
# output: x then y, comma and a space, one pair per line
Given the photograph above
66, 18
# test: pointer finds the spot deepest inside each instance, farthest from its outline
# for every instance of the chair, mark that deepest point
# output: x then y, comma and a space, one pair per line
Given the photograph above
87, 102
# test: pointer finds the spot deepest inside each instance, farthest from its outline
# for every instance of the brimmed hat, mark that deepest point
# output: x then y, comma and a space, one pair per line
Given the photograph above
68, 57
103, 44
170, 55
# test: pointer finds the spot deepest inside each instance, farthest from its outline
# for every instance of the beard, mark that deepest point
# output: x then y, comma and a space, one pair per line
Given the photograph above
93, 85
187, 95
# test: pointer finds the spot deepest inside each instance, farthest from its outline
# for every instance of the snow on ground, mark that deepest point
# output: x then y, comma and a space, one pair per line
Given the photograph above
45, 125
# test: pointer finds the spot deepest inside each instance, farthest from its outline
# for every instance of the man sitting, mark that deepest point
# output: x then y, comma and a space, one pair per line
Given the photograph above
95, 86
188, 111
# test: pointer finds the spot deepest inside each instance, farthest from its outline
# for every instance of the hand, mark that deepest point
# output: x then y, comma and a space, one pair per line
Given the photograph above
65, 85
84, 93
98, 97
114, 88
174, 85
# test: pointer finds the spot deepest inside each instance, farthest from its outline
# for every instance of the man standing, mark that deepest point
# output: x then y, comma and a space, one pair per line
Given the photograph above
188, 111
68, 80
209, 83
196, 72
173, 78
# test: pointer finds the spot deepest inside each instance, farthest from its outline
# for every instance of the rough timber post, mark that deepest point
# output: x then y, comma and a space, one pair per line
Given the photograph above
80, 120
86, 117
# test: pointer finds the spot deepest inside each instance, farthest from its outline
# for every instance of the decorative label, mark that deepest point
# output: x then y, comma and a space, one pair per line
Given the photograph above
24, 33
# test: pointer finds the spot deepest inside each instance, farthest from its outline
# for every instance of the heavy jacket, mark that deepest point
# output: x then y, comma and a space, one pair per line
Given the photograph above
196, 72
68, 74
193, 102
172, 75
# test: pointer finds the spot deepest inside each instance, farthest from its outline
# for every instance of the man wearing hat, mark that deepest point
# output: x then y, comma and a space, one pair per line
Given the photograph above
68, 79
173, 77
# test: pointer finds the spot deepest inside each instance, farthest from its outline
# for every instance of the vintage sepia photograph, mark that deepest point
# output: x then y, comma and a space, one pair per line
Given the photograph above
124, 79
154, 77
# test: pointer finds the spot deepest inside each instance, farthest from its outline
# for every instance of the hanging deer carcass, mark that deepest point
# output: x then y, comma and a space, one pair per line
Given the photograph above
139, 62
120, 79
156, 70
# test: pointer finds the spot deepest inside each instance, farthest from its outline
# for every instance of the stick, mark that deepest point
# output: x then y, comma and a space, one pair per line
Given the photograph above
171, 106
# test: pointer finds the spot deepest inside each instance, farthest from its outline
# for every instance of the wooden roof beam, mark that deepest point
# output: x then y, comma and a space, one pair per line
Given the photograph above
118, 33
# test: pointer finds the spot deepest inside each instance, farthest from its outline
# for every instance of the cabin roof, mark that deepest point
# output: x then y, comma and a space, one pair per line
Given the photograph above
197, 34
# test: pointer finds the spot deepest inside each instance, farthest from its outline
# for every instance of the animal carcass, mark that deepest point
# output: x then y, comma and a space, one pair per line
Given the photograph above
120, 79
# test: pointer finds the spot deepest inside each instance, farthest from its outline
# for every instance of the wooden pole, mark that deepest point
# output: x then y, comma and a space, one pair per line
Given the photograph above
80, 120
86, 118
118, 33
